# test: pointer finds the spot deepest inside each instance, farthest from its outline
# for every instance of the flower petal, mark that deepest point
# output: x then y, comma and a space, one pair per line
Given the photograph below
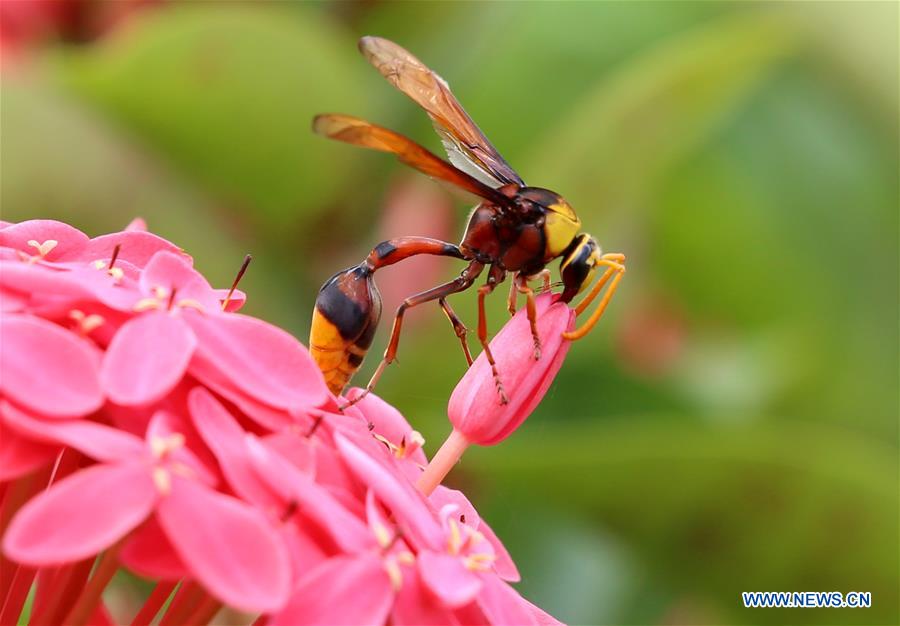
343, 591
20, 455
388, 422
392, 488
172, 271
259, 359
47, 369
100, 442
228, 546
503, 605
414, 606
266, 416
149, 553
81, 515
135, 246
69, 240
445, 576
317, 504
147, 358
225, 438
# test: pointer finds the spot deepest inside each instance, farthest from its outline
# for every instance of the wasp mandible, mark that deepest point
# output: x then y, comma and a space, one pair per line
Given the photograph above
515, 229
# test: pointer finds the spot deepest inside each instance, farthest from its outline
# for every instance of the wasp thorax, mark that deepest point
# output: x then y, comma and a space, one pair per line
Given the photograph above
579, 262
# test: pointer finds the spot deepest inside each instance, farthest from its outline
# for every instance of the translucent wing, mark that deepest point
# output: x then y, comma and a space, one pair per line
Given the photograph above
466, 145
362, 133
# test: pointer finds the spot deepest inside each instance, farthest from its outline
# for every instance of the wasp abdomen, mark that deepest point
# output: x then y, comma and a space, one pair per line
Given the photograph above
345, 317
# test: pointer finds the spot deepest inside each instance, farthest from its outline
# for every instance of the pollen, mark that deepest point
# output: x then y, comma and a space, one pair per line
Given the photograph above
161, 446
43, 248
162, 480
479, 562
394, 573
86, 323
382, 535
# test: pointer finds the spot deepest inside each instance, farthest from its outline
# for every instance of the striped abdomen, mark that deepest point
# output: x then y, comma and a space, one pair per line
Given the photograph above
347, 311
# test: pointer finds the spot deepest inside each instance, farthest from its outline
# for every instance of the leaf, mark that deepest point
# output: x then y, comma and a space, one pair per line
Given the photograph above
657, 107
227, 92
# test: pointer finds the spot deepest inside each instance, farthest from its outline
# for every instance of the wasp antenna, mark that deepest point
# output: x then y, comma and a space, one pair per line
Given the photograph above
237, 279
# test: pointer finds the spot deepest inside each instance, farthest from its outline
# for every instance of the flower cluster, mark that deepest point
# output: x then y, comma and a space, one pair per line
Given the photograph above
145, 424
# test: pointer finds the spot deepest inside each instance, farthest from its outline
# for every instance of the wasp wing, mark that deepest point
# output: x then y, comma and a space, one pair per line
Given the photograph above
359, 132
466, 145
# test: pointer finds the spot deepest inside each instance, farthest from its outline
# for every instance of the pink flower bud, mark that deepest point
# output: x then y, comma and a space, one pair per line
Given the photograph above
475, 409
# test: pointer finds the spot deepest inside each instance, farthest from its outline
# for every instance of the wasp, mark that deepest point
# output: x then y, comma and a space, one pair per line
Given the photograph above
515, 230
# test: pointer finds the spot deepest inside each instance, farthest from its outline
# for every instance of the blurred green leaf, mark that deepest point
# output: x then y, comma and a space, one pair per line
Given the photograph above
658, 107
226, 92
714, 510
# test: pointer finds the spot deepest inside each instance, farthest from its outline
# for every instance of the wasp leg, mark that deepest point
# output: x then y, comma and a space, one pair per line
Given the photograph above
511, 303
483, 291
461, 283
521, 285
615, 269
458, 327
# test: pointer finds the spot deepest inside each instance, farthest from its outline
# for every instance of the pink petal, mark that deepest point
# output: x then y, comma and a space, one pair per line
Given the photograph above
136, 247
297, 449
347, 531
414, 606
20, 456
261, 360
165, 424
137, 224
475, 408
502, 605
147, 358
343, 591
225, 438
12, 301
235, 302
173, 271
69, 285
227, 545
445, 576
46, 368
81, 515
266, 416
101, 443
69, 240
388, 421
443, 496
149, 553
392, 488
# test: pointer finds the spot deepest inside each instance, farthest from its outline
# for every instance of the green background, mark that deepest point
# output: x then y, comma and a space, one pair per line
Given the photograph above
732, 423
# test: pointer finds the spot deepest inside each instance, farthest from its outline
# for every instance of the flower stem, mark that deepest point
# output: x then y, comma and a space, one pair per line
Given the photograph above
90, 596
16, 595
154, 603
446, 458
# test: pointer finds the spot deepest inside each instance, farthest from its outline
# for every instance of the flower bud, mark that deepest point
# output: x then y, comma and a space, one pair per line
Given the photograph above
475, 409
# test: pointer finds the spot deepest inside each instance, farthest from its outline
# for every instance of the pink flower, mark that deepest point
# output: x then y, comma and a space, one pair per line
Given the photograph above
475, 409
225, 544
192, 444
